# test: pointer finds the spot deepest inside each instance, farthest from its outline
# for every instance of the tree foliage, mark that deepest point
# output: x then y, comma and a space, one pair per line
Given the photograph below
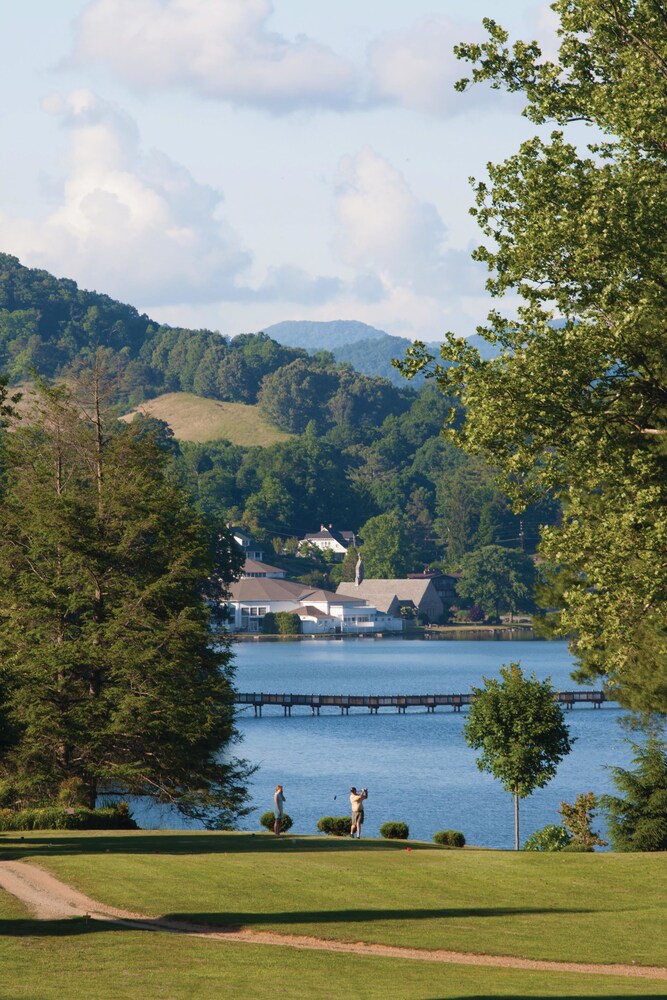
578, 406
578, 820
110, 676
388, 546
550, 838
520, 730
637, 819
498, 579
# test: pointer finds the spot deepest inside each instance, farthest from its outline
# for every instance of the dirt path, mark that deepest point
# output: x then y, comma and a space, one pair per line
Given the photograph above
50, 899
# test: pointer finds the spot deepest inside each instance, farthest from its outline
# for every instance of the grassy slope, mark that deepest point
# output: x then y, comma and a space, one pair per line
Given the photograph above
585, 908
193, 418
74, 960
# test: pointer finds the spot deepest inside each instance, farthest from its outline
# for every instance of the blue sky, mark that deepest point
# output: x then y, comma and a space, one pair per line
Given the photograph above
233, 163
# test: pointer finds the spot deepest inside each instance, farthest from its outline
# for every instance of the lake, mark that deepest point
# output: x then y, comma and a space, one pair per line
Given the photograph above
417, 766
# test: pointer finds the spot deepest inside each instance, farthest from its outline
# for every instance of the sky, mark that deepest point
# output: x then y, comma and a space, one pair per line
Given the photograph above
230, 164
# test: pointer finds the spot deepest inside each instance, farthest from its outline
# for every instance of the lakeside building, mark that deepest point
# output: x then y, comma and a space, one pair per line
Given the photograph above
320, 611
417, 596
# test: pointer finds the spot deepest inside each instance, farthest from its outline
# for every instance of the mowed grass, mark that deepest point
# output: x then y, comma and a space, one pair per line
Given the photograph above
194, 418
78, 959
594, 908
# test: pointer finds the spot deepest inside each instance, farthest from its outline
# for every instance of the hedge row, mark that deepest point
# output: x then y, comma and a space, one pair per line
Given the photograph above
58, 818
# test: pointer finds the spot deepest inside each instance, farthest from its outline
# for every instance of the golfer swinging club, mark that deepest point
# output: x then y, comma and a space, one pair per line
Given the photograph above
357, 806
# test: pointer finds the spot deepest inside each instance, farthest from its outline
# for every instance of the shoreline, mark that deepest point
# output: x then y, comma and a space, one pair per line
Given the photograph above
428, 633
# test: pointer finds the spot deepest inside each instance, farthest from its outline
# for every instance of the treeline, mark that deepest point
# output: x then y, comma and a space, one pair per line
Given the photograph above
50, 326
442, 502
366, 448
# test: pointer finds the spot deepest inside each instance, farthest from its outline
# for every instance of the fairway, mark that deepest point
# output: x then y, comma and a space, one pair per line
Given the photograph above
600, 908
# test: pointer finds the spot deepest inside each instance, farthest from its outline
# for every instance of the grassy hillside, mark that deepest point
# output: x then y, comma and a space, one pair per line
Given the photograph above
600, 908
194, 418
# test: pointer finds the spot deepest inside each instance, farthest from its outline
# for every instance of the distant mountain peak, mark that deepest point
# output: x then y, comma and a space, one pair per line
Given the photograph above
322, 335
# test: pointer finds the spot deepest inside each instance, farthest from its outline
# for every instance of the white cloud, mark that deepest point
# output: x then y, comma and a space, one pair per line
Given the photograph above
386, 230
290, 283
382, 225
132, 224
397, 242
219, 48
417, 68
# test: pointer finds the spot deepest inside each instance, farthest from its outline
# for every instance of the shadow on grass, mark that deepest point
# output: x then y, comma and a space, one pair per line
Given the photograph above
232, 921
290, 917
16, 846
70, 926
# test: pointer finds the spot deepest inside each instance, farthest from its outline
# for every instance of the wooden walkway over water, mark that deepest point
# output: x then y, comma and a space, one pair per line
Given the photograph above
400, 702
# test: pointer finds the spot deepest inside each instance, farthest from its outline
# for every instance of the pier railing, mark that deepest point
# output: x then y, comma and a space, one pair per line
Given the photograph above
400, 702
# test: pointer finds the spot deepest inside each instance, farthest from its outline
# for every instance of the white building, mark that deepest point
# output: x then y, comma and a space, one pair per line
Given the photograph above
253, 568
320, 611
329, 540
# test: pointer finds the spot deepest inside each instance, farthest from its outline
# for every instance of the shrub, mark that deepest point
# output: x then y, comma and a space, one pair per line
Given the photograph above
476, 614
449, 838
394, 831
268, 819
549, 838
575, 848
335, 826
578, 819
288, 623
58, 818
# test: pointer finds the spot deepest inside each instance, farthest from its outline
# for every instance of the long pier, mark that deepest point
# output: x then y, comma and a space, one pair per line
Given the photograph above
400, 702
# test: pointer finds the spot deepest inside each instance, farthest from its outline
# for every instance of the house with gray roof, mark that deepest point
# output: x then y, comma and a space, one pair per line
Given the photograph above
390, 596
320, 611
254, 568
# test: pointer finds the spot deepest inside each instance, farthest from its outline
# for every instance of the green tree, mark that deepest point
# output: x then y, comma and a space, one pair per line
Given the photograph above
108, 583
638, 821
521, 732
576, 400
7, 401
388, 546
345, 570
498, 579
288, 623
295, 394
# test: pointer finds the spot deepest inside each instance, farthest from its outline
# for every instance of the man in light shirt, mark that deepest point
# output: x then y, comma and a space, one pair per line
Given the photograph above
357, 799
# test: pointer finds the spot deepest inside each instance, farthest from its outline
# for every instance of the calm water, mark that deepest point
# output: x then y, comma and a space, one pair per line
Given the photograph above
416, 766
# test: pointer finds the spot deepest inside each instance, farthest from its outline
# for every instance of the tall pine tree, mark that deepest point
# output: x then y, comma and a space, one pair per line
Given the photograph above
112, 680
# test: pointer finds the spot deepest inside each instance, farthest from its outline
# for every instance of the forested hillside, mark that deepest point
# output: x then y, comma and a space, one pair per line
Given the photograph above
363, 448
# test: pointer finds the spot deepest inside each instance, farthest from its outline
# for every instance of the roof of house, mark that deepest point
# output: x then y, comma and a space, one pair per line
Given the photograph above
381, 593
263, 588
434, 574
251, 567
308, 611
329, 534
